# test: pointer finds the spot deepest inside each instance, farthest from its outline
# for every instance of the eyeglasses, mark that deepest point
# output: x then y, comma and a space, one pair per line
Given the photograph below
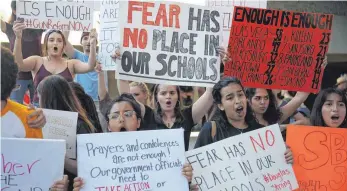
126, 115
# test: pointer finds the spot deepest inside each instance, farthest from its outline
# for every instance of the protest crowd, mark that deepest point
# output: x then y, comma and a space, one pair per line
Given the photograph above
234, 91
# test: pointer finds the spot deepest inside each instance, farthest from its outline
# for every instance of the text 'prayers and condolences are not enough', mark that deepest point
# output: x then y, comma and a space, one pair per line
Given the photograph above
170, 43
145, 160
278, 49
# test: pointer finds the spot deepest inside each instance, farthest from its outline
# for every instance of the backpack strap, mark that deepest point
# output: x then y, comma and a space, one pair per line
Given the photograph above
214, 129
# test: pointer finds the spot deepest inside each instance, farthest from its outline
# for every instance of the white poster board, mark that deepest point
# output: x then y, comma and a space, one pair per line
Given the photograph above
109, 33
250, 161
169, 43
64, 15
147, 160
226, 8
61, 125
31, 164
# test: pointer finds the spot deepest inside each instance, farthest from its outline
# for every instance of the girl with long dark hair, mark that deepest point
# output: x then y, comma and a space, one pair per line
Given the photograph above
124, 114
55, 93
329, 109
88, 105
167, 112
235, 115
267, 112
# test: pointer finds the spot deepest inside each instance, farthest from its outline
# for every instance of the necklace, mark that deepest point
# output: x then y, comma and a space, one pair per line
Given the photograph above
241, 130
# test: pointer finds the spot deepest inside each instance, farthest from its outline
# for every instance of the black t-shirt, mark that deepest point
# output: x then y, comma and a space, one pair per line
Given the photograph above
205, 137
148, 119
82, 128
187, 123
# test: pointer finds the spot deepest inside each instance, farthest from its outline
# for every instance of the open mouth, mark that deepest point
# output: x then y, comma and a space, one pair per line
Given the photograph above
168, 103
239, 109
55, 49
122, 129
335, 118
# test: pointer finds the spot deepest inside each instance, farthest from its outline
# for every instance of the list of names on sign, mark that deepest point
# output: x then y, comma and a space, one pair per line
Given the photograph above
278, 49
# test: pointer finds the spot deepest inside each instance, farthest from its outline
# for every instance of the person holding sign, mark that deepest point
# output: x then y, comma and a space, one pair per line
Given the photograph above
53, 62
16, 119
124, 114
329, 109
267, 112
56, 93
235, 115
167, 107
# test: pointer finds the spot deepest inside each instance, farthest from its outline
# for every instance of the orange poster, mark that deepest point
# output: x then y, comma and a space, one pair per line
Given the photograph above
320, 157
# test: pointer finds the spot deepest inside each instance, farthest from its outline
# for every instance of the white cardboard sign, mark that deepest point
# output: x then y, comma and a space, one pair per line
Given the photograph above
169, 43
144, 160
64, 15
62, 125
250, 161
31, 164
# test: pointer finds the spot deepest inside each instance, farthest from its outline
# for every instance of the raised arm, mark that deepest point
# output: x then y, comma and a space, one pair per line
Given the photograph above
293, 105
102, 90
3, 26
29, 63
80, 67
69, 49
202, 105
123, 85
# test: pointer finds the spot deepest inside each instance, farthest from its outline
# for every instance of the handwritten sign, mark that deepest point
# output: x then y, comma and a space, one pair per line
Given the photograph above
278, 49
169, 43
31, 164
109, 33
62, 125
226, 7
64, 15
146, 160
320, 157
250, 161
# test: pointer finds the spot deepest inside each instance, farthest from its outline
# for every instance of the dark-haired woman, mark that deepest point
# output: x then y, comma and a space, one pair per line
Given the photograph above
329, 109
124, 114
264, 105
167, 107
54, 92
235, 115
53, 61
88, 105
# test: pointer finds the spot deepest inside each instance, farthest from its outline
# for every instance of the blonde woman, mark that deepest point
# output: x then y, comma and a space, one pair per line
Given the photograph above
140, 92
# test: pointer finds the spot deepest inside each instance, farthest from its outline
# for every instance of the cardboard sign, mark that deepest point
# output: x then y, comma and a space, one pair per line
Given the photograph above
109, 33
64, 15
31, 164
320, 157
169, 43
123, 161
226, 7
250, 161
61, 125
276, 49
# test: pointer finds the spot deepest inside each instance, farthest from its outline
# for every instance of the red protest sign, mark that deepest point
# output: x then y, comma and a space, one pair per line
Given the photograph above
277, 49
